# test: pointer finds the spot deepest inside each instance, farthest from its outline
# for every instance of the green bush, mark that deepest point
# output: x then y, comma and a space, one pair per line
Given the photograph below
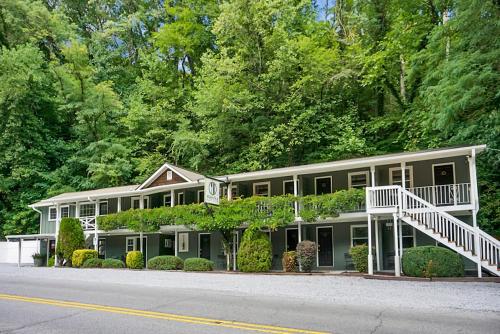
359, 256
82, 255
92, 263
198, 264
52, 261
306, 254
289, 261
255, 252
432, 261
165, 262
113, 263
70, 239
134, 260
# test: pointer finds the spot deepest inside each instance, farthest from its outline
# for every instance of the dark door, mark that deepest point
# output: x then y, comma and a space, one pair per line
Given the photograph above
325, 247
443, 174
205, 246
323, 185
292, 239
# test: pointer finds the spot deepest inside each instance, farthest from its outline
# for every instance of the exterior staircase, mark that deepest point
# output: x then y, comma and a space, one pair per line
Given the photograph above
450, 231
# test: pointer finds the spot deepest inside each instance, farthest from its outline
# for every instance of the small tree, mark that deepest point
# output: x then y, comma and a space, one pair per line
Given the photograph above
70, 238
306, 254
255, 253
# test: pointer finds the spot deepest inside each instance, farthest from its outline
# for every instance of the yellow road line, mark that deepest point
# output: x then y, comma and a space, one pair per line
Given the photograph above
161, 315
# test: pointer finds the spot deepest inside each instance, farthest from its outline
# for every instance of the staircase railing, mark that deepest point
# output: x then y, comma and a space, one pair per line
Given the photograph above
88, 223
490, 249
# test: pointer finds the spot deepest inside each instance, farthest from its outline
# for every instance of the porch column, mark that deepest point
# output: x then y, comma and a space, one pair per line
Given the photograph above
19, 248
230, 191
397, 267
400, 230
48, 251
172, 198
141, 242
77, 210
96, 235
372, 171
58, 223
370, 254
474, 200
296, 205
176, 252
119, 205
235, 239
377, 244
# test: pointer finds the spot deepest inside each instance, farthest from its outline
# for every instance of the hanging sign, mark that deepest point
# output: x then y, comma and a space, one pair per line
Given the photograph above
212, 191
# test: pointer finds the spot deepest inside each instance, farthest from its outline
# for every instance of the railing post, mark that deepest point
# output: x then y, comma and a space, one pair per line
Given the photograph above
96, 236
58, 224
370, 253
397, 267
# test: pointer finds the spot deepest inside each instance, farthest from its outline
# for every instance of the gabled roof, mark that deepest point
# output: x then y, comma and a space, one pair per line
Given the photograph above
187, 175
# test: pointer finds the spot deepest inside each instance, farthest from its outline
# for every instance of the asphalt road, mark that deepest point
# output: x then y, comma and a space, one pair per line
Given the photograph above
34, 300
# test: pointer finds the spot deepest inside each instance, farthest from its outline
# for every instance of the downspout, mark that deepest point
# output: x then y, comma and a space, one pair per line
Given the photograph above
40, 232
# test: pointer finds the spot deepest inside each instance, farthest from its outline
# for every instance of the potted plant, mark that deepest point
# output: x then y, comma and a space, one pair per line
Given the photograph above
38, 259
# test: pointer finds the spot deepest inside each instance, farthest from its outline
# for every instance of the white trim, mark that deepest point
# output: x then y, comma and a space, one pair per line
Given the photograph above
186, 235
136, 246
170, 175
317, 247
410, 172
199, 243
286, 236
50, 208
289, 181
86, 203
349, 178
224, 192
139, 199
65, 206
198, 196
268, 183
323, 177
444, 164
160, 171
183, 198
353, 227
164, 197
107, 207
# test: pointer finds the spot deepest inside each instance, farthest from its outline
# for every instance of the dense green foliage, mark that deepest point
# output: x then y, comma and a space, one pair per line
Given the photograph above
112, 263
429, 261
70, 239
255, 252
165, 262
289, 261
80, 256
198, 264
359, 256
100, 93
306, 255
93, 263
134, 260
52, 261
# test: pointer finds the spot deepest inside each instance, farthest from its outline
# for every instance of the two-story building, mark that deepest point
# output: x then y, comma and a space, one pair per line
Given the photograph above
413, 198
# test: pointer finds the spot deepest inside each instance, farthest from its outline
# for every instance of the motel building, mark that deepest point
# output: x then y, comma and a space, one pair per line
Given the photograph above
412, 199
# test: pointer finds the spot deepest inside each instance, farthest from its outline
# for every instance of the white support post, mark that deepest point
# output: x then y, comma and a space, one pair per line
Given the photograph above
296, 206
119, 205
230, 191
397, 268
475, 206
58, 224
176, 242
96, 235
77, 210
48, 251
235, 240
172, 198
372, 171
370, 252
400, 230
377, 244
403, 185
19, 248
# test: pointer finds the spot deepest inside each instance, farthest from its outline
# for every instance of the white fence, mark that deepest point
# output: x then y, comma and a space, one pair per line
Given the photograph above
9, 251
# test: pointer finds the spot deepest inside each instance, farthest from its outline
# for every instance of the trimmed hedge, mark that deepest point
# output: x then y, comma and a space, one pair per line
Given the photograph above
289, 261
135, 260
306, 254
92, 263
82, 255
113, 263
432, 261
166, 262
255, 252
198, 264
359, 256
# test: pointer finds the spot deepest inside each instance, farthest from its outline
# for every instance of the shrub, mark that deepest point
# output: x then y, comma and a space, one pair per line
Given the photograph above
52, 261
289, 261
359, 256
92, 263
70, 239
198, 264
82, 255
166, 262
306, 254
432, 261
255, 252
135, 260
113, 263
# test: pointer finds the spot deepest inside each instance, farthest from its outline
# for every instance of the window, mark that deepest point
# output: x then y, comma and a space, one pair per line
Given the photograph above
136, 202
87, 210
323, 185
359, 235
292, 238
183, 242
52, 213
395, 176
407, 233
234, 191
358, 180
288, 187
262, 189
101, 246
201, 196
169, 175
65, 211
180, 198
167, 200
130, 244
103, 208
134, 244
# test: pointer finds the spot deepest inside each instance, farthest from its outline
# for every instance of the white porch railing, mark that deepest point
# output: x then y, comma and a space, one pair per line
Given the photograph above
382, 197
447, 194
88, 223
